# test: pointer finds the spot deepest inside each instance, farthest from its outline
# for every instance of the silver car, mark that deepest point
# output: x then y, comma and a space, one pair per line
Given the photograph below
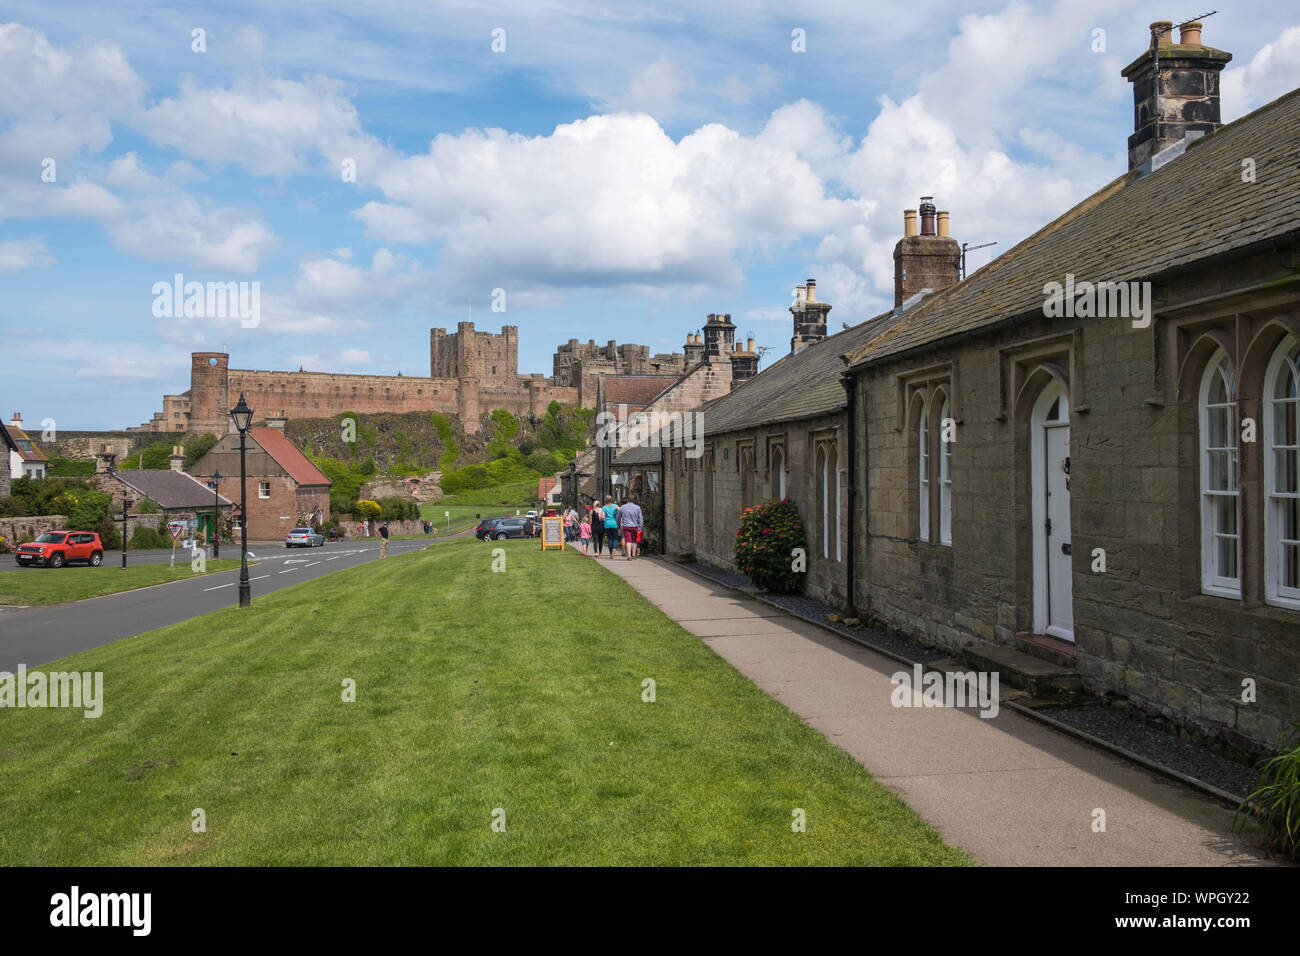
304, 538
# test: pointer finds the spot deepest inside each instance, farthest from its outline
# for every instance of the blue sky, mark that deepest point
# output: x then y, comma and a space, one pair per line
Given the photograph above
619, 170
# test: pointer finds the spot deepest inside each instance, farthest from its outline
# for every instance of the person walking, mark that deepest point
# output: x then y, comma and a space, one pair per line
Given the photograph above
611, 526
584, 529
570, 521
383, 545
630, 520
597, 521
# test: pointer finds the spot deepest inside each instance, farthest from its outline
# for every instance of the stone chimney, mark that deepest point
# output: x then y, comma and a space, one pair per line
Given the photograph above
17, 420
809, 318
177, 458
744, 363
926, 262
1175, 90
719, 336
694, 349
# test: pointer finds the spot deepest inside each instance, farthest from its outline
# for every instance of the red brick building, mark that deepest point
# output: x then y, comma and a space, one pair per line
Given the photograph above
284, 489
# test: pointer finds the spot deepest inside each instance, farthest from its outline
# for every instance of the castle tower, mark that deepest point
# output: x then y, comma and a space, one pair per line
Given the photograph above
210, 402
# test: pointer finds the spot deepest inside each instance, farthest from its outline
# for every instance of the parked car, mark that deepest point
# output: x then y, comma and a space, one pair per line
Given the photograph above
484, 529
531, 514
304, 538
54, 549
509, 528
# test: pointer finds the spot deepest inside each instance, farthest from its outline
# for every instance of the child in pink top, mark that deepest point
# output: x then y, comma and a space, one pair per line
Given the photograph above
584, 530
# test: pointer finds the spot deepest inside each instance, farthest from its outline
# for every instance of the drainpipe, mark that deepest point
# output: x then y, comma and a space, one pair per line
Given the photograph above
663, 500
851, 417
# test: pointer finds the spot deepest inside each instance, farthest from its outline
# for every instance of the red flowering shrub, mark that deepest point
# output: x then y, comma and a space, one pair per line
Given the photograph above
765, 545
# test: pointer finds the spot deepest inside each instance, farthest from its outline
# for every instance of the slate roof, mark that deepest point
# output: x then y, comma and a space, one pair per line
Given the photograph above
640, 455
173, 490
287, 455
802, 385
1190, 209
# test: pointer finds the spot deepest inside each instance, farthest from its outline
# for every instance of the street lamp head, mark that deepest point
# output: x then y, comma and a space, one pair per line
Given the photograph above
216, 477
241, 414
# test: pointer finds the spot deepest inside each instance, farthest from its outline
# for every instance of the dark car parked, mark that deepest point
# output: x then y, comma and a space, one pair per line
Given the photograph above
503, 528
484, 529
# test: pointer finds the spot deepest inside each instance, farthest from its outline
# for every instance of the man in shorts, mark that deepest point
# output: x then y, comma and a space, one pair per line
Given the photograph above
630, 519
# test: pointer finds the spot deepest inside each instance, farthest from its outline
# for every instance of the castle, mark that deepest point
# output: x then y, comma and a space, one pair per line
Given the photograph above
470, 373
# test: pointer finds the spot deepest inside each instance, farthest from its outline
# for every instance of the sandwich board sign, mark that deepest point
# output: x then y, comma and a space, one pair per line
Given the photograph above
552, 533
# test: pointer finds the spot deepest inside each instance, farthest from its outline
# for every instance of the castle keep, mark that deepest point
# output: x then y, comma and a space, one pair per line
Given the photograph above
471, 373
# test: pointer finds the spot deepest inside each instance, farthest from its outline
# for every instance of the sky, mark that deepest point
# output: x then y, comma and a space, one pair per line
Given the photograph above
583, 169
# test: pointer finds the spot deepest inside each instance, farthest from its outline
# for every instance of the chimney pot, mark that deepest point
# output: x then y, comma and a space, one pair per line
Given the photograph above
800, 294
1189, 34
749, 344
927, 216
943, 223
909, 222
812, 288
18, 419
1162, 32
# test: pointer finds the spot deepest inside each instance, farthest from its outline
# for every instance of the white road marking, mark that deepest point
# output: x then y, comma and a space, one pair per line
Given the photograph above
313, 564
259, 577
286, 571
220, 586
335, 558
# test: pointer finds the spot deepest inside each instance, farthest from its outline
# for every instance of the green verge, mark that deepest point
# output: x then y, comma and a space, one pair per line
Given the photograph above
487, 502
75, 582
475, 691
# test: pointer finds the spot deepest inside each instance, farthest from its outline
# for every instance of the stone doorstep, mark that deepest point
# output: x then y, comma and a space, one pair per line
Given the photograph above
1048, 648
955, 665
1038, 677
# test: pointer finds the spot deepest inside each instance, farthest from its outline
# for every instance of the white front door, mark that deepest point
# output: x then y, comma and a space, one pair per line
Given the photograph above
1053, 564
1060, 606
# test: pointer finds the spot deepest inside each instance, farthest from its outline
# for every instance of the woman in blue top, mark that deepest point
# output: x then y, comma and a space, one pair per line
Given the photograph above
611, 525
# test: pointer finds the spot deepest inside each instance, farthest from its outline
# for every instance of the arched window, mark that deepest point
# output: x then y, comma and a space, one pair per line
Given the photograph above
923, 470
778, 473
945, 478
1220, 530
831, 514
823, 527
1282, 475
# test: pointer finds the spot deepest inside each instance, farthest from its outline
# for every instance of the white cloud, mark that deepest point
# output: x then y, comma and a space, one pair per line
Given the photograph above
177, 228
655, 89
1271, 72
19, 254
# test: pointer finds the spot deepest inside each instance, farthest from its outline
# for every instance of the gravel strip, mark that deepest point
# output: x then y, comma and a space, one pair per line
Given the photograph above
1133, 734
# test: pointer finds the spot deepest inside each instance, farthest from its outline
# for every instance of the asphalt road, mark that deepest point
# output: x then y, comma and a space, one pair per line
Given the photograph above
229, 549
38, 635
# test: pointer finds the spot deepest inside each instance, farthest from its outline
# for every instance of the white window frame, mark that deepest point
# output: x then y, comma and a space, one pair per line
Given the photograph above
834, 468
1213, 582
945, 479
1282, 362
826, 502
778, 454
923, 483
264, 489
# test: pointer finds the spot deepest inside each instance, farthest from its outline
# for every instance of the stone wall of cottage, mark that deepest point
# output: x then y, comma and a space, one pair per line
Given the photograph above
710, 534
1143, 628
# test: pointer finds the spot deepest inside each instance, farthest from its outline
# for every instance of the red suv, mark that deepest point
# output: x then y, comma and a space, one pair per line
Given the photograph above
54, 549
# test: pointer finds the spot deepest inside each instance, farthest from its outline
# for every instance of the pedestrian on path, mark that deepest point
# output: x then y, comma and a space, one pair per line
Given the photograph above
584, 529
630, 520
570, 523
597, 521
611, 526
383, 545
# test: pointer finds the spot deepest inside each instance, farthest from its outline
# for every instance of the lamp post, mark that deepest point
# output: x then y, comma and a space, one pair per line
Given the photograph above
110, 458
242, 415
216, 509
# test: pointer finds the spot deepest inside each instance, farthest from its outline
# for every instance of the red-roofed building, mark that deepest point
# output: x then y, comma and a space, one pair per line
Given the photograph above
284, 489
548, 491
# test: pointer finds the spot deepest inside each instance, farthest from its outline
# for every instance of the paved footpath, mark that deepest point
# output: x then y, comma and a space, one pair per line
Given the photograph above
1007, 790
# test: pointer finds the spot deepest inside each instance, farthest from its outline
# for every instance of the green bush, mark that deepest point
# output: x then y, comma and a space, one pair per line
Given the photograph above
507, 426
69, 468
398, 509
1274, 807
765, 544
148, 506
147, 539
90, 511
196, 448
450, 450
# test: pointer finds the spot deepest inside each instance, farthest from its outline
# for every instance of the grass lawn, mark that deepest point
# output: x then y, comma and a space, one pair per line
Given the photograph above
74, 582
475, 691
488, 502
